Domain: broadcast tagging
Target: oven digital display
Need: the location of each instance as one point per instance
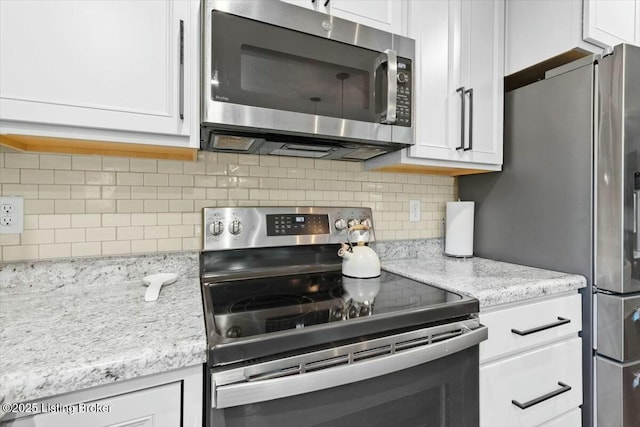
(297, 224)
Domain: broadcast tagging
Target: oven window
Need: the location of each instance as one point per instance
(441, 393)
(277, 68)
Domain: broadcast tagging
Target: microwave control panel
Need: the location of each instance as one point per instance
(403, 99)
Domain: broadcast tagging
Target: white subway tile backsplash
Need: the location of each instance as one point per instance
(36, 176)
(9, 176)
(91, 205)
(100, 206)
(143, 165)
(116, 164)
(116, 248)
(89, 163)
(68, 177)
(69, 206)
(101, 234)
(57, 250)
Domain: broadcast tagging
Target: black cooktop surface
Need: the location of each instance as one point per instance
(273, 314)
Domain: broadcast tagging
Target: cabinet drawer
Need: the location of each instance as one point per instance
(157, 406)
(542, 375)
(520, 328)
(570, 419)
(617, 393)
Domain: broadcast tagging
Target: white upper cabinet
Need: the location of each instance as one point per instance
(611, 22)
(459, 88)
(538, 30)
(386, 15)
(103, 65)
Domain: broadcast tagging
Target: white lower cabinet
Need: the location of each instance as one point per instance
(531, 365)
(153, 407)
(169, 399)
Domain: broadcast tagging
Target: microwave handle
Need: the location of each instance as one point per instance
(391, 58)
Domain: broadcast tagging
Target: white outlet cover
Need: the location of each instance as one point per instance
(16, 215)
(414, 210)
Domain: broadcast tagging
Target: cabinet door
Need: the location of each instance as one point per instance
(386, 15)
(96, 64)
(460, 58)
(482, 69)
(611, 22)
(438, 115)
(153, 407)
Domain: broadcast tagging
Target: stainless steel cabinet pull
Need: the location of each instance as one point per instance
(470, 92)
(181, 93)
(565, 388)
(561, 321)
(461, 90)
(391, 58)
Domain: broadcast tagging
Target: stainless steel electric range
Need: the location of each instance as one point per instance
(294, 343)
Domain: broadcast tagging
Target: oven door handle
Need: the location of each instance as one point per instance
(225, 396)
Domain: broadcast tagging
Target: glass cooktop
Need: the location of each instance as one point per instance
(260, 306)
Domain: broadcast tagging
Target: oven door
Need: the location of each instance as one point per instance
(420, 378)
(274, 67)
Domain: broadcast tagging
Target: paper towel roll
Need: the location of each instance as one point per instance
(459, 229)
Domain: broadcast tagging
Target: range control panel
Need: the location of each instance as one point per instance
(236, 228)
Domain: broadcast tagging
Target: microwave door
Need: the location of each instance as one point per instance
(320, 82)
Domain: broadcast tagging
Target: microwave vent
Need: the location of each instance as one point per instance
(364, 153)
(299, 153)
(237, 143)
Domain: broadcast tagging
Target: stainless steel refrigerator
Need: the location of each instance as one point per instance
(568, 199)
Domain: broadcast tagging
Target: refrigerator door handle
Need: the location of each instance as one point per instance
(636, 246)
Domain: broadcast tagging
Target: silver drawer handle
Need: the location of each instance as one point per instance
(561, 321)
(564, 388)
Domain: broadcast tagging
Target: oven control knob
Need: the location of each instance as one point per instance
(402, 78)
(340, 224)
(235, 227)
(366, 221)
(353, 222)
(216, 228)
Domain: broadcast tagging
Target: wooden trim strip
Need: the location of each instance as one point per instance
(431, 170)
(44, 144)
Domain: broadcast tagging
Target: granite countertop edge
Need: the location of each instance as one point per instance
(523, 284)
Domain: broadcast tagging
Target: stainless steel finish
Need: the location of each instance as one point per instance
(618, 329)
(216, 228)
(391, 58)
(618, 161)
(330, 368)
(617, 393)
(256, 273)
(463, 113)
(552, 213)
(573, 65)
(636, 220)
(230, 117)
(235, 227)
(253, 227)
(181, 73)
(470, 92)
(575, 219)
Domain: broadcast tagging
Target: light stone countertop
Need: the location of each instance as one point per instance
(491, 282)
(69, 325)
(82, 329)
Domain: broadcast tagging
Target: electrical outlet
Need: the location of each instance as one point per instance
(11, 214)
(414, 210)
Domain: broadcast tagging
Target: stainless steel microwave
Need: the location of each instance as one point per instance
(280, 79)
